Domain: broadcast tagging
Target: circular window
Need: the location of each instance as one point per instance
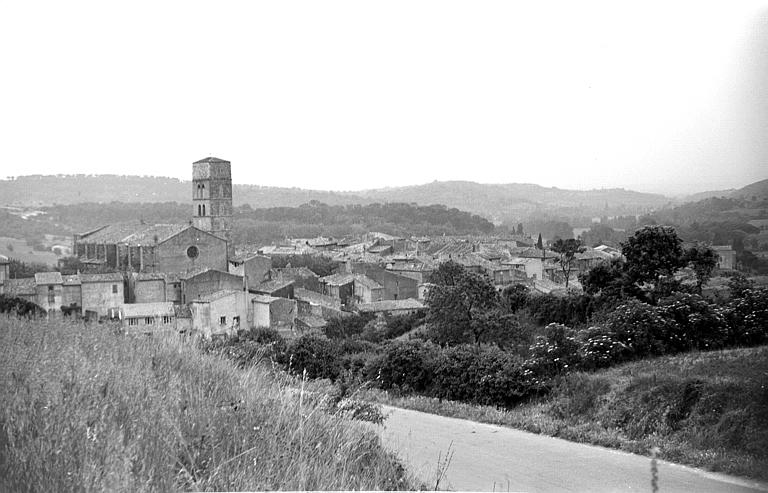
(193, 252)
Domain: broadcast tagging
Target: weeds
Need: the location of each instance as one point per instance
(82, 408)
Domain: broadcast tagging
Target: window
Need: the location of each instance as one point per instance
(223, 321)
(114, 289)
(192, 252)
(236, 320)
(51, 295)
(133, 321)
(166, 319)
(199, 210)
(203, 209)
(149, 321)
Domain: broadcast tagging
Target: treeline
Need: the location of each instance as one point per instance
(316, 219)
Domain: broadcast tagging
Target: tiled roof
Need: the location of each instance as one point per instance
(48, 278)
(211, 160)
(338, 279)
(263, 298)
(294, 273)
(366, 281)
(302, 294)
(18, 287)
(149, 276)
(388, 305)
(271, 286)
(71, 280)
(312, 321)
(132, 310)
(108, 277)
(133, 233)
(217, 295)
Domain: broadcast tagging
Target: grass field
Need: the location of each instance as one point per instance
(18, 249)
(84, 408)
(703, 409)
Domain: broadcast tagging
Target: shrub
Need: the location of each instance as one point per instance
(699, 324)
(747, 317)
(315, 354)
(553, 353)
(404, 365)
(642, 328)
(600, 348)
(347, 327)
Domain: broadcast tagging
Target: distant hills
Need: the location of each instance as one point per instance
(496, 202)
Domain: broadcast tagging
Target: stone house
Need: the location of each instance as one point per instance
(395, 286)
(24, 288)
(272, 312)
(340, 286)
(206, 282)
(301, 277)
(72, 293)
(151, 318)
(222, 313)
(102, 294)
(49, 290)
(392, 307)
(278, 288)
(726, 256)
(5, 267)
(256, 268)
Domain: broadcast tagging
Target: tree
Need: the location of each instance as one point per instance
(703, 261)
(459, 305)
(520, 228)
(653, 252)
(567, 249)
(539, 243)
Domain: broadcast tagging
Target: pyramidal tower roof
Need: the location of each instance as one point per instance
(211, 160)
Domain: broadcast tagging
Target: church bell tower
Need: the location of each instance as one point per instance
(212, 198)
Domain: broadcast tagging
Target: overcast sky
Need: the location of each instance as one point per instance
(656, 96)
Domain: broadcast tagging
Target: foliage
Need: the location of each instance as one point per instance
(316, 355)
(651, 252)
(83, 408)
(316, 218)
(404, 365)
(462, 306)
(555, 352)
(699, 324)
(703, 261)
(348, 326)
(567, 250)
(747, 317)
(485, 375)
(19, 306)
(609, 279)
(515, 297)
(600, 234)
(601, 348)
(642, 328)
(19, 270)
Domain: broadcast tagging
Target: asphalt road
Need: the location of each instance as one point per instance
(493, 458)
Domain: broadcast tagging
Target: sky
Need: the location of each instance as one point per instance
(668, 97)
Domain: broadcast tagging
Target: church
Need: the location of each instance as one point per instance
(203, 243)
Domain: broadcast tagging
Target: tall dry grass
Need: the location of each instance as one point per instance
(84, 408)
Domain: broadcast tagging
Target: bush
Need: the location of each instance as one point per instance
(600, 348)
(642, 328)
(699, 324)
(315, 354)
(404, 365)
(553, 353)
(486, 376)
(346, 327)
(747, 317)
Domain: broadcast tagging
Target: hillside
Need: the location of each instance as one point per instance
(85, 408)
(514, 199)
(496, 202)
(707, 409)
(39, 190)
